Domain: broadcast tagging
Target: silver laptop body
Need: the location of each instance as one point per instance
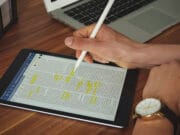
(140, 25)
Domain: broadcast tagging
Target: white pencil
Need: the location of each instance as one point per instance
(95, 30)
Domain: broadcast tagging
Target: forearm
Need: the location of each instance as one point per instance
(157, 54)
(153, 127)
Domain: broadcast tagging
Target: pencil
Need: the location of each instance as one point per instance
(95, 30)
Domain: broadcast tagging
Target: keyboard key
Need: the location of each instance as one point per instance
(78, 16)
(84, 19)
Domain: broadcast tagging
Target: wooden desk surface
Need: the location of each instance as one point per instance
(36, 30)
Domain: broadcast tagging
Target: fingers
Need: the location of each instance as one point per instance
(84, 32)
(100, 59)
(87, 58)
(86, 44)
(90, 57)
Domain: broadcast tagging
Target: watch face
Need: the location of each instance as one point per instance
(148, 106)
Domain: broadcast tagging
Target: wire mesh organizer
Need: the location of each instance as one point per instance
(8, 15)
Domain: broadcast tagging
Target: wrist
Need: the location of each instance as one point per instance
(140, 56)
(158, 126)
(147, 56)
(157, 54)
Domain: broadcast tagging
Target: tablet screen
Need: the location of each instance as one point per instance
(94, 90)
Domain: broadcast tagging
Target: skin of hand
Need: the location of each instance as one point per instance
(108, 46)
(164, 83)
(111, 46)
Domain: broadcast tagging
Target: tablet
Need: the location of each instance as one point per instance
(45, 82)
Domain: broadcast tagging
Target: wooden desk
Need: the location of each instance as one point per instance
(35, 29)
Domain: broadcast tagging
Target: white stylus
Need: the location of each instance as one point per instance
(95, 30)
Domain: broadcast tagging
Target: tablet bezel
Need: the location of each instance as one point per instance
(124, 107)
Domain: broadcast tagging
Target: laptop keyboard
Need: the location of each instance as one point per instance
(90, 11)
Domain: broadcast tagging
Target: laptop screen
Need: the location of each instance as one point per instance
(56, 4)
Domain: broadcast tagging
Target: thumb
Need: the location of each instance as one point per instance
(86, 44)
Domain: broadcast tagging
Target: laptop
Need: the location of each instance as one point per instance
(45, 82)
(139, 20)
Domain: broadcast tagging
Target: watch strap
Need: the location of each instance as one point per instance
(170, 115)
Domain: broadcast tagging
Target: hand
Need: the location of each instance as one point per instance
(109, 46)
(164, 83)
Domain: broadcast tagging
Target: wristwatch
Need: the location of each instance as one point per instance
(152, 108)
